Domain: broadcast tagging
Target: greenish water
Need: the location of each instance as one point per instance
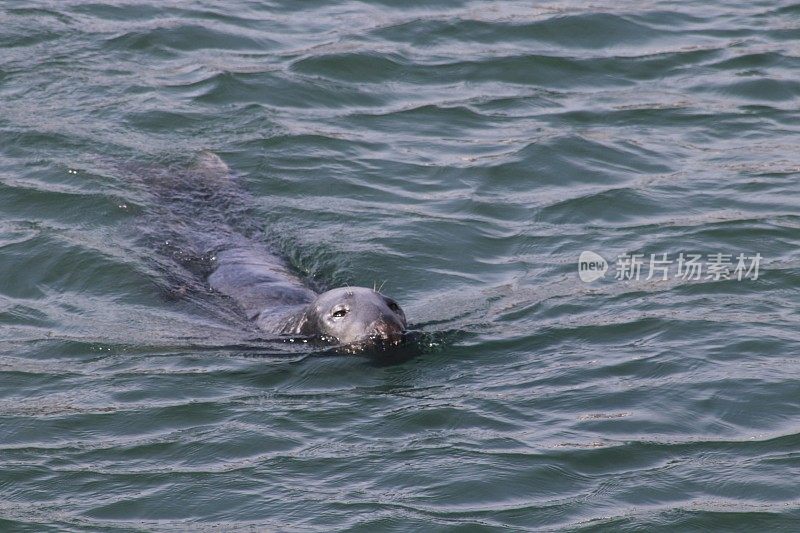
(464, 153)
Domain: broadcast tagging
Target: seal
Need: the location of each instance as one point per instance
(260, 282)
(278, 303)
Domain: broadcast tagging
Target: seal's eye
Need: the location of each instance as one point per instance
(339, 312)
(394, 307)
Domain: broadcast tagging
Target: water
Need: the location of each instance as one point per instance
(463, 154)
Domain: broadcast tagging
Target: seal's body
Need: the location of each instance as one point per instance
(265, 288)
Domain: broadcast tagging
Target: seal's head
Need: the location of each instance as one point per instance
(355, 316)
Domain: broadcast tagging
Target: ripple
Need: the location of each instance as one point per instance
(585, 30)
(177, 36)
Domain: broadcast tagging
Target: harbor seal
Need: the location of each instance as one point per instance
(272, 297)
(202, 203)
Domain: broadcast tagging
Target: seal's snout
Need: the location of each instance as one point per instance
(387, 329)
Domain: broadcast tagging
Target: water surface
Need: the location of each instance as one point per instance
(461, 153)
